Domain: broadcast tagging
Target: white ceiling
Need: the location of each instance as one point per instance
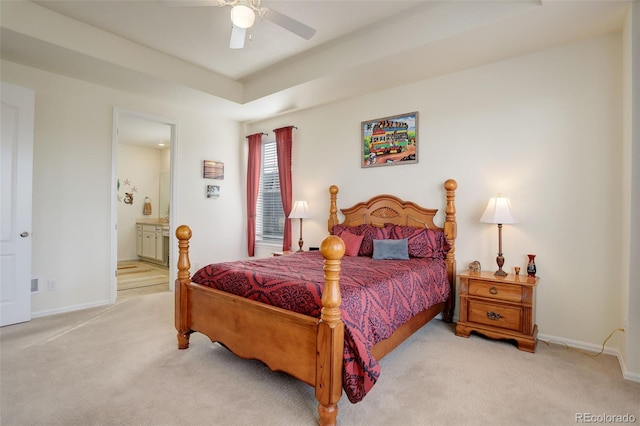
(141, 131)
(200, 34)
(182, 54)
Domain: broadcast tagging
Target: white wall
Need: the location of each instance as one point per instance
(544, 129)
(72, 184)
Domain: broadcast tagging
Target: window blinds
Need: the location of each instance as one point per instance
(270, 215)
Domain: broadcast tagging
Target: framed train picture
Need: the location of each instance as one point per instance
(390, 140)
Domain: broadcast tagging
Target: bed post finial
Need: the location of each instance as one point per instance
(330, 335)
(333, 208)
(183, 233)
(450, 228)
(450, 233)
(332, 249)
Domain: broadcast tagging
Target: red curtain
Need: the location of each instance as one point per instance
(284, 138)
(253, 184)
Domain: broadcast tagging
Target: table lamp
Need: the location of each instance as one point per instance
(300, 211)
(498, 211)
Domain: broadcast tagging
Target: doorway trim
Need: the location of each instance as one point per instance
(113, 264)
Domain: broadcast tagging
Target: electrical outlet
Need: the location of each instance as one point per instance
(52, 285)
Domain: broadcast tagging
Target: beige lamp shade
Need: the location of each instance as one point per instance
(300, 210)
(498, 211)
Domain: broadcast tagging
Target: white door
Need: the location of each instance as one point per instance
(15, 203)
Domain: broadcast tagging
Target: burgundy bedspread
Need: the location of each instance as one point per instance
(378, 296)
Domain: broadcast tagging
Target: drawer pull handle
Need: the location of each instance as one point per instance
(494, 316)
(493, 290)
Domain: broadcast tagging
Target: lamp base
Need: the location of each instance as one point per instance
(300, 242)
(500, 262)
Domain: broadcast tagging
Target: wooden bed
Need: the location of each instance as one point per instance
(308, 348)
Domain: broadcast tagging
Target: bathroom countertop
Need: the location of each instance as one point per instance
(153, 221)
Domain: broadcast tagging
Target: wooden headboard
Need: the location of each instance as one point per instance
(383, 209)
(388, 209)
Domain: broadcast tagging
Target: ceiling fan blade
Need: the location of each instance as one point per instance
(187, 3)
(288, 23)
(237, 37)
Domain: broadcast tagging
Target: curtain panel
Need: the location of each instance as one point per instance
(284, 137)
(253, 184)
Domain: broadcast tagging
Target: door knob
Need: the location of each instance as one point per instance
(25, 234)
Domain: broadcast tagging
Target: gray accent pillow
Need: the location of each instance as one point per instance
(391, 249)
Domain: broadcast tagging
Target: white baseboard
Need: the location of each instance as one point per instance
(48, 312)
(634, 377)
(628, 375)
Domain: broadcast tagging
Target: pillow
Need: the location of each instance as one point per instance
(391, 249)
(351, 242)
(339, 229)
(422, 242)
(368, 232)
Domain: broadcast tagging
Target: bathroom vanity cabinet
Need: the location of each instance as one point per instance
(152, 241)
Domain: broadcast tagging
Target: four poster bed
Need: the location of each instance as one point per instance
(299, 314)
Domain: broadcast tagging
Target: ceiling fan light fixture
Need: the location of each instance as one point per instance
(242, 16)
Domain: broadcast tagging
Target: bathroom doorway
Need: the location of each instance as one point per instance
(143, 156)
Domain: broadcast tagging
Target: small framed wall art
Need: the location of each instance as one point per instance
(389, 140)
(213, 191)
(213, 170)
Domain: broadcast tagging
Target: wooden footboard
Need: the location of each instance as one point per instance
(307, 348)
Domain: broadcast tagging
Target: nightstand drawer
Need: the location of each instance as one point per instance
(495, 290)
(506, 317)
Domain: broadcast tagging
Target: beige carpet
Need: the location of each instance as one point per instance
(119, 365)
(136, 274)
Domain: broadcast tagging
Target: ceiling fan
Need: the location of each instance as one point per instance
(243, 15)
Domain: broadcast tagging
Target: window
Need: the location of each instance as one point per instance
(269, 212)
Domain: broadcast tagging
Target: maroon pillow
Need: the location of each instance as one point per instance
(339, 229)
(368, 232)
(423, 242)
(352, 243)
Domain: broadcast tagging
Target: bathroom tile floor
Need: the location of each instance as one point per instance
(136, 278)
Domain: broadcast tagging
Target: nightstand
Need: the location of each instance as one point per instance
(499, 307)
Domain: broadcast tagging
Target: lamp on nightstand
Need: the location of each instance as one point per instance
(300, 211)
(498, 211)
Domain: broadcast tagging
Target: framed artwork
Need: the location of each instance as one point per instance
(213, 170)
(213, 191)
(389, 140)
